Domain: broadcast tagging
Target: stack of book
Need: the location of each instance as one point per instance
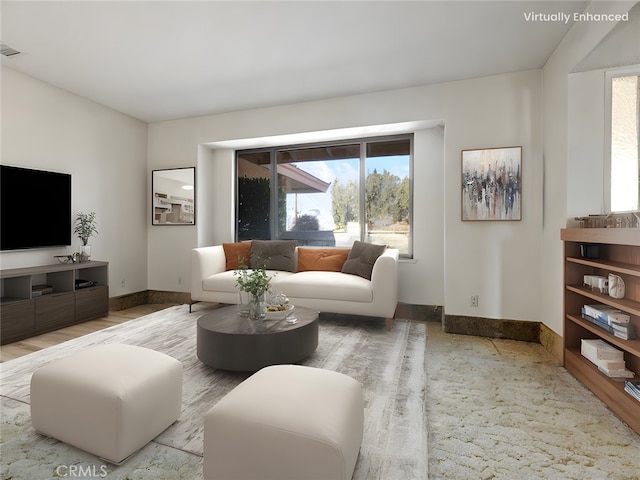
(633, 389)
(607, 358)
(39, 290)
(609, 319)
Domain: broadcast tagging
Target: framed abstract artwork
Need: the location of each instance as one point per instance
(173, 198)
(492, 184)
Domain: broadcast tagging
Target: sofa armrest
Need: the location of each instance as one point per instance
(205, 261)
(384, 281)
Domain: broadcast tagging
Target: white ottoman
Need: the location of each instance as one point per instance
(286, 422)
(108, 400)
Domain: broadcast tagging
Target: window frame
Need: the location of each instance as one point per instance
(362, 142)
(610, 75)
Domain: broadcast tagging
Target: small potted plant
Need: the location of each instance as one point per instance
(255, 283)
(85, 227)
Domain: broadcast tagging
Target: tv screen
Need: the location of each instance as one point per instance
(35, 208)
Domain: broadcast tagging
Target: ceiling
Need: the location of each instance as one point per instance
(162, 60)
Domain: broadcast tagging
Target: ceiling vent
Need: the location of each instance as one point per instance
(7, 51)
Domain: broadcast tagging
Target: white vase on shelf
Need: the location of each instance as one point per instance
(616, 286)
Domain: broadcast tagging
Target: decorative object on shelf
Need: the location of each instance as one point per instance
(589, 250)
(596, 282)
(255, 283)
(84, 229)
(173, 196)
(492, 184)
(610, 220)
(63, 258)
(616, 286)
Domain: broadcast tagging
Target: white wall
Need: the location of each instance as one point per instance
(44, 127)
(462, 259)
(586, 114)
(564, 176)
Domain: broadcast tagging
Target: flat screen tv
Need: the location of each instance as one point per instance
(35, 208)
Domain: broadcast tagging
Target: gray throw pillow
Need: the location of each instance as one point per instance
(273, 254)
(361, 258)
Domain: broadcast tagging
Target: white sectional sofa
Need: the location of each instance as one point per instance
(326, 291)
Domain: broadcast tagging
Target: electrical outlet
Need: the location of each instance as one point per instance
(474, 300)
(123, 283)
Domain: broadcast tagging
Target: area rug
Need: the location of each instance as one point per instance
(389, 365)
(501, 409)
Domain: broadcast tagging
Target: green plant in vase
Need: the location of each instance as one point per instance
(255, 283)
(85, 227)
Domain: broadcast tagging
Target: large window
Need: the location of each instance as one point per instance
(624, 137)
(328, 194)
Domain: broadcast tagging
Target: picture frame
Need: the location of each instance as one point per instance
(492, 184)
(173, 196)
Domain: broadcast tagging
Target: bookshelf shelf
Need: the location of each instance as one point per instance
(629, 306)
(616, 267)
(632, 346)
(619, 254)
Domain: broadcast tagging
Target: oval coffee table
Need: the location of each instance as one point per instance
(231, 342)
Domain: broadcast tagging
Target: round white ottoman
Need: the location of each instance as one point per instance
(286, 422)
(108, 400)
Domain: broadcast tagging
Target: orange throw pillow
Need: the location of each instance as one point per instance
(237, 254)
(321, 259)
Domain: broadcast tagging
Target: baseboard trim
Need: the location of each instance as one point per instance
(425, 313)
(552, 342)
(129, 300)
(145, 297)
(459, 324)
(492, 327)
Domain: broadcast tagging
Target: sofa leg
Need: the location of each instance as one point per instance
(389, 323)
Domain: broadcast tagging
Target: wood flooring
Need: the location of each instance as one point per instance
(33, 344)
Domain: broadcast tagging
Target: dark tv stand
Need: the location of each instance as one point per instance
(41, 299)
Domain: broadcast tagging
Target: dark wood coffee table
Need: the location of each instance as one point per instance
(230, 342)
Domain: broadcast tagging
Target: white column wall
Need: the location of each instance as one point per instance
(563, 177)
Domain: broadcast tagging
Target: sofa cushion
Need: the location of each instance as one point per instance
(322, 259)
(325, 285)
(361, 259)
(237, 254)
(220, 282)
(227, 281)
(273, 254)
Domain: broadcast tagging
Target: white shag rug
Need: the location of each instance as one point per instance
(502, 409)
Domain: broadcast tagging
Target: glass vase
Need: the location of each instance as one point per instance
(243, 303)
(257, 306)
(85, 253)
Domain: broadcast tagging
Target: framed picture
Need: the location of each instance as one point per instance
(492, 184)
(173, 193)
